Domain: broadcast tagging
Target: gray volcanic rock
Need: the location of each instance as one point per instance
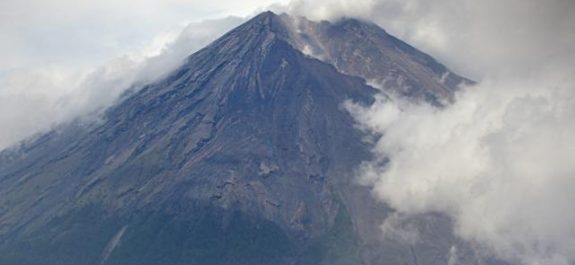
(363, 49)
(243, 155)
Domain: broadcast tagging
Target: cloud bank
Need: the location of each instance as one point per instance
(498, 161)
(476, 38)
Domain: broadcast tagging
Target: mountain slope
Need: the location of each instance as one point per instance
(365, 50)
(240, 129)
(244, 155)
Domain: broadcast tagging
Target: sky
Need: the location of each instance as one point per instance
(64, 59)
(66, 32)
(498, 161)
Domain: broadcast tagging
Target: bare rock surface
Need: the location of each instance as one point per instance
(243, 155)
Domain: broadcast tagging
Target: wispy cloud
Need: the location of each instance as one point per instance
(64, 59)
(36, 99)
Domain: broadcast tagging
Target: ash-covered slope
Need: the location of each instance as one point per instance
(243, 155)
(363, 49)
(249, 132)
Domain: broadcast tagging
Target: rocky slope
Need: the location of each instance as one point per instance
(363, 49)
(243, 155)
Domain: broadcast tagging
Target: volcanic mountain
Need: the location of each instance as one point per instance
(243, 155)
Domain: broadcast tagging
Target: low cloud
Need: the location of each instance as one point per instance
(35, 100)
(475, 38)
(498, 161)
(61, 63)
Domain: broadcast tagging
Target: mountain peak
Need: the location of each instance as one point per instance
(363, 49)
(246, 142)
(250, 37)
(266, 19)
(268, 14)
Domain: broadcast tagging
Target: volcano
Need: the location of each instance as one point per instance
(243, 155)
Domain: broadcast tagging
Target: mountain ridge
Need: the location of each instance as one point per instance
(168, 146)
(363, 49)
(247, 140)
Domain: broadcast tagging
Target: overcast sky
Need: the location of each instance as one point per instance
(61, 59)
(71, 33)
(502, 164)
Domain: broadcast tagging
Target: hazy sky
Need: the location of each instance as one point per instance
(61, 59)
(499, 161)
(66, 32)
(49, 47)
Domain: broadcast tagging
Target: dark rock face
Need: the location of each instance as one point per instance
(244, 155)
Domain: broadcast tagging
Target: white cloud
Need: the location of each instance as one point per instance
(476, 38)
(65, 32)
(35, 99)
(499, 161)
(65, 59)
(328, 10)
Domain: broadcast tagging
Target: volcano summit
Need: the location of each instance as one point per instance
(243, 155)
